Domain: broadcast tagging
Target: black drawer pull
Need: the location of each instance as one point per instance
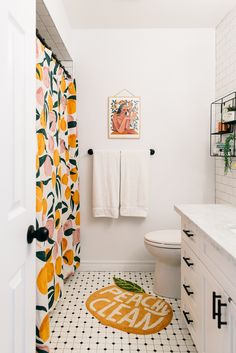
(186, 259)
(186, 289)
(188, 233)
(186, 313)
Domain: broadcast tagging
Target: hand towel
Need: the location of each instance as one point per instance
(134, 183)
(106, 183)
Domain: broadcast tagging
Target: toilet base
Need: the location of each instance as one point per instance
(167, 280)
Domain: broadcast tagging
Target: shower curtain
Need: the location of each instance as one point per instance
(57, 186)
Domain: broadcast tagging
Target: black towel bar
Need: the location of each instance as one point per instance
(152, 151)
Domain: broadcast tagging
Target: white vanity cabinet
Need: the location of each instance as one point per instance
(208, 289)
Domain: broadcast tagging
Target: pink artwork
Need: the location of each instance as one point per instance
(124, 117)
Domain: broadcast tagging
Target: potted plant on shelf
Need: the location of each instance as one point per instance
(228, 148)
(229, 114)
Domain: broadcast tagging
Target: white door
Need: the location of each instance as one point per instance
(17, 175)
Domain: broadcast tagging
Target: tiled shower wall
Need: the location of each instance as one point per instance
(226, 83)
(49, 32)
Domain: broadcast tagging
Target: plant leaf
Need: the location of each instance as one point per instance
(68, 232)
(227, 153)
(49, 254)
(72, 97)
(39, 307)
(127, 285)
(72, 124)
(71, 216)
(51, 301)
(64, 210)
(41, 255)
(42, 160)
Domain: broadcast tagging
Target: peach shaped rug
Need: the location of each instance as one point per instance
(125, 306)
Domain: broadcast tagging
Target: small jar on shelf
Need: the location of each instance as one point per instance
(223, 127)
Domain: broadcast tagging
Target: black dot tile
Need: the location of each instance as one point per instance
(73, 326)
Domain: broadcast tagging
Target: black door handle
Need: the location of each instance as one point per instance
(217, 313)
(186, 313)
(188, 233)
(214, 297)
(41, 234)
(186, 259)
(186, 289)
(219, 322)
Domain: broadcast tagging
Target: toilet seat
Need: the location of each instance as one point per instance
(170, 239)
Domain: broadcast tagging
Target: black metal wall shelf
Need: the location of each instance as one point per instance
(230, 122)
(222, 124)
(221, 133)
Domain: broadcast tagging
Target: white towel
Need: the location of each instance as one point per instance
(134, 183)
(106, 183)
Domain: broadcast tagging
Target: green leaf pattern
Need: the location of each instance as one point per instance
(57, 187)
(127, 285)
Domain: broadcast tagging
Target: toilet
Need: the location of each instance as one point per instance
(165, 246)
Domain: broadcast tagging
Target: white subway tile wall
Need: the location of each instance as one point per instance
(226, 83)
(49, 32)
(68, 64)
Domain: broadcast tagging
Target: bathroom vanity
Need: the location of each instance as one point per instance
(208, 275)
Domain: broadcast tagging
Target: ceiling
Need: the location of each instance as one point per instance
(146, 13)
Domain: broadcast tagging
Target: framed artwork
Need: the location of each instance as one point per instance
(124, 117)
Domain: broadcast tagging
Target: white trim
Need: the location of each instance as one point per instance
(117, 266)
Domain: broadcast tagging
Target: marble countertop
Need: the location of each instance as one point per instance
(218, 222)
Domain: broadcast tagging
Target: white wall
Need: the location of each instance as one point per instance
(226, 83)
(173, 71)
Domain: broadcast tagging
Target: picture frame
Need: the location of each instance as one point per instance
(124, 117)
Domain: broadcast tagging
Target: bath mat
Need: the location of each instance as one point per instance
(125, 306)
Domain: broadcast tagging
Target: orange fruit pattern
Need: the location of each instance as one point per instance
(57, 186)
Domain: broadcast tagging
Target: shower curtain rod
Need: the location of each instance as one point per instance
(42, 40)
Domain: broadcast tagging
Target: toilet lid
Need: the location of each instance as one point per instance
(165, 237)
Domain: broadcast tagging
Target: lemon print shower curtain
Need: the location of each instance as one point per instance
(57, 186)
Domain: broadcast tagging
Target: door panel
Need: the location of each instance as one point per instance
(232, 314)
(17, 175)
(17, 289)
(216, 339)
(17, 111)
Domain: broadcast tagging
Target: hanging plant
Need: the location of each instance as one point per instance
(227, 153)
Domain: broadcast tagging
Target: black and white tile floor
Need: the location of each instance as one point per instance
(75, 330)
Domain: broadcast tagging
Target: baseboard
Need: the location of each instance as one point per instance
(116, 266)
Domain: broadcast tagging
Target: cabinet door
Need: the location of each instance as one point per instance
(232, 325)
(216, 317)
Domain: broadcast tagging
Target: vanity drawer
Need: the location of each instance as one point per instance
(192, 291)
(194, 325)
(190, 234)
(190, 264)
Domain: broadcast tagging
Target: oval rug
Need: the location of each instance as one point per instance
(125, 306)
